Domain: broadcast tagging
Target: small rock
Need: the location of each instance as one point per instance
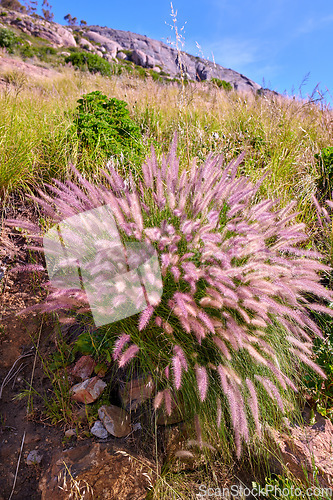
(99, 430)
(150, 62)
(88, 390)
(31, 439)
(70, 433)
(139, 58)
(85, 44)
(109, 58)
(34, 458)
(83, 368)
(121, 55)
(115, 420)
(136, 392)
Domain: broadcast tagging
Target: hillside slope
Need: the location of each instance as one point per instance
(155, 54)
(116, 46)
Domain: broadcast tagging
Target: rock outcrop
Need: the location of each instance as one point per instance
(305, 450)
(54, 33)
(111, 46)
(149, 53)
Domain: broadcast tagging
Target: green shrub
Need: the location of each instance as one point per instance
(46, 50)
(75, 50)
(105, 124)
(127, 66)
(327, 157)
(141, 71)
(221, 84)
(91, 62)
(155, 76)
(43, 52)
(127, 52)
(319, 392)
(27, 51)
(8, 39)
(325, 160)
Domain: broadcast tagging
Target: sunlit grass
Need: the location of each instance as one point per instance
(279, 135)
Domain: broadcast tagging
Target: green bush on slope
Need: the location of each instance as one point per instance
(325, 159)
(8, 39)
(105, 124)
(92, 62)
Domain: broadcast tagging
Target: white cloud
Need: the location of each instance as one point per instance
(230, 52)
(313, 23)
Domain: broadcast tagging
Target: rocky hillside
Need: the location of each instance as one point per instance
(155, 54)
(54, 33)
(116, 45)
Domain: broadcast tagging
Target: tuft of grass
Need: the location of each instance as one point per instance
(230, 333)
(291, 488)
(221, 84)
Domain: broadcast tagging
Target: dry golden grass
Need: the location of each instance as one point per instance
(279, 135)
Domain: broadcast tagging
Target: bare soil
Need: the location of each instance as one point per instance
(10, 64)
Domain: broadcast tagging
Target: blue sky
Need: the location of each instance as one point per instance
(278, 41)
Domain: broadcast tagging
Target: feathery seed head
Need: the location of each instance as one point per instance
(231, 267)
